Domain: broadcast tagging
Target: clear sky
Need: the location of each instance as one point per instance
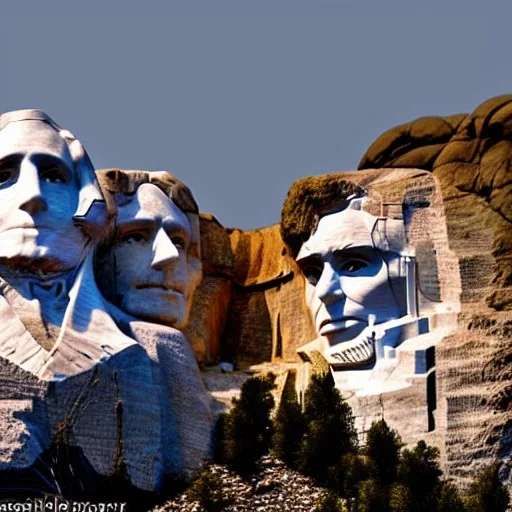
(240, 98)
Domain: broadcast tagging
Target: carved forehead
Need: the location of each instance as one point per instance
(33, 136)
(340, 230)
(149, 203)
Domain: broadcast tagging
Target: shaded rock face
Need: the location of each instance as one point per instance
(409, 280)
(122, 396)
(470, 155)
(250, 309)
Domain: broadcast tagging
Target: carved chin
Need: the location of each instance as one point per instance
(156, 305)
(41, 250)
(350, 353)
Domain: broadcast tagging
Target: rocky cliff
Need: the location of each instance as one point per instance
(471, 156)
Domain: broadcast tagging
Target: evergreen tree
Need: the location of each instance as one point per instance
(371, 497)
(206, 489)
(400, 498)
(330, 503)
(289, 430)
(248, 427)
(450, 499)
(330, 431)
(487, 493)
(383, 451)
(419, 473)
(346, 476)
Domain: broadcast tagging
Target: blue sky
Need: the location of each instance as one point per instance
(241, 98)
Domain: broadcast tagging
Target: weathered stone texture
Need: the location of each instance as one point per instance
(268, 319)
(471, 156)
(211, 301)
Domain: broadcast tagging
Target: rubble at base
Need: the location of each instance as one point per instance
(273, 487)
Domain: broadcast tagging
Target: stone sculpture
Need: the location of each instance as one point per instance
(155, 254)
(395, 280)
(52, 213)
(375, 255)
(66, 365)
(348, 284)
(60, 349)
(150, 267)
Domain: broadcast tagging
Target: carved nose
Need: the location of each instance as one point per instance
(29, 189)
(164, 251)
(329, 288)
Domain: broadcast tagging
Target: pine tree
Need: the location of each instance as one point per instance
(399, 498)
(383, 451)
(487, 493)
(420, 475)
(450, 499)
(206, 489)
(371, 497)
(330, 431)
(289, 428)
(248, 427)
(330, 503)
(346, 477)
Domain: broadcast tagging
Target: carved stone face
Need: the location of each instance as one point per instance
(346, 279)
(38, 198)
(152, 272)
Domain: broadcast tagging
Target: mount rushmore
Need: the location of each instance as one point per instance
(130, 318)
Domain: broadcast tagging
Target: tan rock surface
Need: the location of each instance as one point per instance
(471, 156)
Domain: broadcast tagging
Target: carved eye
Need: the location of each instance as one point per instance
(131, 238)
(178, 241)
(6, 175)
(353, 266)
(312, 271)
(53, 175)
(8, 170)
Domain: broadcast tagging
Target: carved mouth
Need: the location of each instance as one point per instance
(354, 352)
(161, 286)
(330, 325)
(31, 226)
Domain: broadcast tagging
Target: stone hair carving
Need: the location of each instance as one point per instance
(151, 264)
(374, 251)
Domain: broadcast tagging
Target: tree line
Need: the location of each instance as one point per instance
(319, 439)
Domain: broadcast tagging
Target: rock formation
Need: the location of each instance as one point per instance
(150, 268)
(61, 351)
(124, 302)
(79, 372)
(470, 156)
(383, 288)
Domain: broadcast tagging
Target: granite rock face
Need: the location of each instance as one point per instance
(464, 407)
(471, 419)
(409, 281)
(470, 155)
(131, 388)
(97, 378)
